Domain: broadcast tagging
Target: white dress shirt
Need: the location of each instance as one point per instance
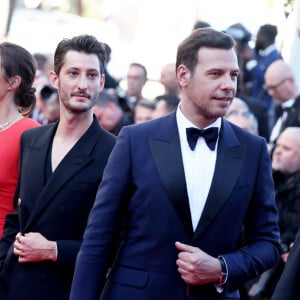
(199, 166)
(280, 121)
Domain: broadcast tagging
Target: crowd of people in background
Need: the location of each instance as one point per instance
(34, 95)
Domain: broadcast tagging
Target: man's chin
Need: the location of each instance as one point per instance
(79, 109)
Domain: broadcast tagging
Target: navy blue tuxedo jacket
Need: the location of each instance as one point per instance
(58, 210)
(144, 189)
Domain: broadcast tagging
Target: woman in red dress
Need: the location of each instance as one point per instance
(17, 100)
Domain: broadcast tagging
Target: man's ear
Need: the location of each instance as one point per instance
(183, 75)
(102, 81)
(53, 79)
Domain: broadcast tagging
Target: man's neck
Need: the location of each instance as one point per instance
(73, 126)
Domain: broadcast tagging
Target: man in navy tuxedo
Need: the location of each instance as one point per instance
(191, 194)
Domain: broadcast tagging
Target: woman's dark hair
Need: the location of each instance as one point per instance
(17, 61)
(187, 52)
(82, 43)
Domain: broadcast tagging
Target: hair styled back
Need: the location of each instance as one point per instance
(17, 61)
(82, 43)
(187, 52)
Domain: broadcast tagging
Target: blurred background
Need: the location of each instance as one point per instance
(141, 30)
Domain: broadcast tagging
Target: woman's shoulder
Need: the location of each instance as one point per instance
(28, 123)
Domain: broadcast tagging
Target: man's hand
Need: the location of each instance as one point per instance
(33, 247)
(284, 257)
(195, 266)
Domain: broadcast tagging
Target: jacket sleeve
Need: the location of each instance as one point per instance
(261, 248)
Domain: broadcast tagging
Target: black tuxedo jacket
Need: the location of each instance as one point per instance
(58, 209)
(293, 116)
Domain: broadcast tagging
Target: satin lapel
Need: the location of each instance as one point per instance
(167, 157)
(78, 157)
(293, 117)
(228, 166)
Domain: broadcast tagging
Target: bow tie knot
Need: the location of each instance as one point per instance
(210, 135)
(279, 110)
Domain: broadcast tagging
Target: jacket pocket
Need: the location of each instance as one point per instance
(129, 276)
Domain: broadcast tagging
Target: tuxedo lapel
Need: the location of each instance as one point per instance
(167, 157)
(228, 166)
(293, 117)
(78, 157)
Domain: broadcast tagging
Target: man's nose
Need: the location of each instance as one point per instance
(82, 84)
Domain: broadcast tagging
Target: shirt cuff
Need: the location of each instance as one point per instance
(55, 252)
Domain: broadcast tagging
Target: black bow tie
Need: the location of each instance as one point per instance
(279, 110)
(210, 135)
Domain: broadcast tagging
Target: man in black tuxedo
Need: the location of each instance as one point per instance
(281, 85)
(61, 166)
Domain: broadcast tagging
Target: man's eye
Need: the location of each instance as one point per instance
(215, 73)
(93, 75)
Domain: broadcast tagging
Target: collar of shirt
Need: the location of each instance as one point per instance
(268, 50)
(276, 130)
(288, 103)
(183, 123)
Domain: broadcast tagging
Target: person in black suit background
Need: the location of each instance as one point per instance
(286, 175)
(282, 86)
(61, 166)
